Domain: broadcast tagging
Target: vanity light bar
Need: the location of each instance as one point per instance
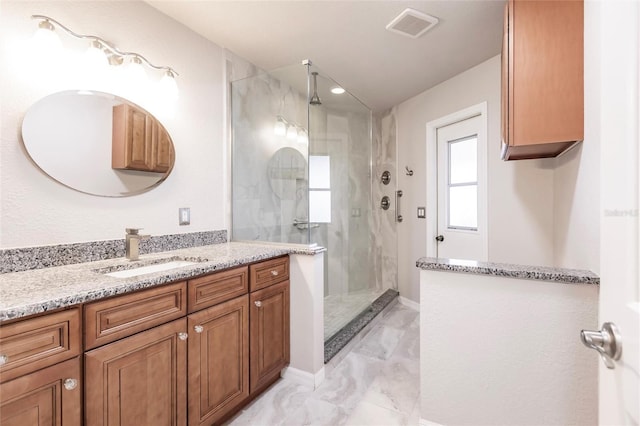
(114, 55)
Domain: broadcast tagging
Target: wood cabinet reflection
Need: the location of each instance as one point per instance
(139, 141)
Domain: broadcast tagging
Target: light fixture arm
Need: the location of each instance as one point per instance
(106, 45)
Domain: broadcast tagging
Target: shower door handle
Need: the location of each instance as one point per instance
(398, 215)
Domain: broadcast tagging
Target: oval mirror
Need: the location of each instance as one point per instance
(287, 170)
(97, 143)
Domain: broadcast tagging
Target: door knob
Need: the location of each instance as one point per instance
(607, 342)
(440, 238)
(70, 384)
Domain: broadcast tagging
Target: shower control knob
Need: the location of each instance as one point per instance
(440, 238)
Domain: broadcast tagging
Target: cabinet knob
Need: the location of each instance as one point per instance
(258, 303)
(70, 384)
(274, 273)
(198, 328)
(3, 359)
(183, 336)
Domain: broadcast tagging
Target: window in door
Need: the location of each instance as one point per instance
(462, 185)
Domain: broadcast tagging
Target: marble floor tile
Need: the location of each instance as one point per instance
(317, 413)
(380, 342)
(367, 414)
(273, 406)
(409, 345)
(377, 383)
(349, 381)
(397, 387)
(401, 317)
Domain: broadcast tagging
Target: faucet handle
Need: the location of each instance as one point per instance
(133, 231)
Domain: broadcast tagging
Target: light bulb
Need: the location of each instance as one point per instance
(168, 86)
(302, 136)
(292, 133)
(135, 70)
(280, 129)
(95, 57)
(46, 40)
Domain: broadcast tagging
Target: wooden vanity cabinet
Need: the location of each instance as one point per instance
(139, 380)
(40, 375)
(269, 321)
(218, 360)
(51, 396)
(191, 352)
(139, 141)
(542, 78)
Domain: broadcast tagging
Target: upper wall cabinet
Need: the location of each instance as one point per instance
(542, 78)
(140, 142)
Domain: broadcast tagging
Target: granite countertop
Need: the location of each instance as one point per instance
(40, 290)
(539, 273)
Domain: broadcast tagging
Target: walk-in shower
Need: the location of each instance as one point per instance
(301, 173)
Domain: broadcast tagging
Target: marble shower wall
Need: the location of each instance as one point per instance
(265, 201)
(268, 195)
(384, 233)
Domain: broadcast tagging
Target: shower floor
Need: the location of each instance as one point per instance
(339, 309)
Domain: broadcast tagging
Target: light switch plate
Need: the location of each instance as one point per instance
(422, 212)
(184, 216)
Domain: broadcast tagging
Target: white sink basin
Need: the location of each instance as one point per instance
(158, 267)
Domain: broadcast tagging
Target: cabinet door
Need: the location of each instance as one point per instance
(162, 149)
(139, 380)
(269, 331)
(52, 396)
(132, 139)
(218, 360)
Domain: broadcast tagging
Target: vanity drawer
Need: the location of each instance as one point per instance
(118, 317)
(35, 343)
(269, 272)
(217, 288)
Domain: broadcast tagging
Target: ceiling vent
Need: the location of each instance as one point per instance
(411, 23)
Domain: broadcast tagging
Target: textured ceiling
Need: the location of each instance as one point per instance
(347, 40)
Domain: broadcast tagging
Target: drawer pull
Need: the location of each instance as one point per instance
(70, 384)
(198, 328)
(258, 303)
(183, 336)
(274, 273)
(3, 359)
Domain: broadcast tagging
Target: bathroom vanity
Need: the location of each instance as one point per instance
(178, 347)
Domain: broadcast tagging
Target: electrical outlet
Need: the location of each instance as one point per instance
(422, 212)
(184, 216)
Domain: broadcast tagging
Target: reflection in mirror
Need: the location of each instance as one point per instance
(287, 172)
(97, 143)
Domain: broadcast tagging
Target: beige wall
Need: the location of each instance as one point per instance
(34, 209)
(520, 193)
(577, 173)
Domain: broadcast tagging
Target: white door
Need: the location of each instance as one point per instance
(616, 24)
(461, 231)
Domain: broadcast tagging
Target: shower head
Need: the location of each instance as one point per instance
(315, 99)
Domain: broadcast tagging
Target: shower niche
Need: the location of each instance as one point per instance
(301, 173)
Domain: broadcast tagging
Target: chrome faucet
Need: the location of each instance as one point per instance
(132, 243)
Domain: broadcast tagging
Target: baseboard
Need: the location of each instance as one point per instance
(409, 303)
(303, 377)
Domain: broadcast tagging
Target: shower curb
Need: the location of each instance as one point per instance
(339, 340)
